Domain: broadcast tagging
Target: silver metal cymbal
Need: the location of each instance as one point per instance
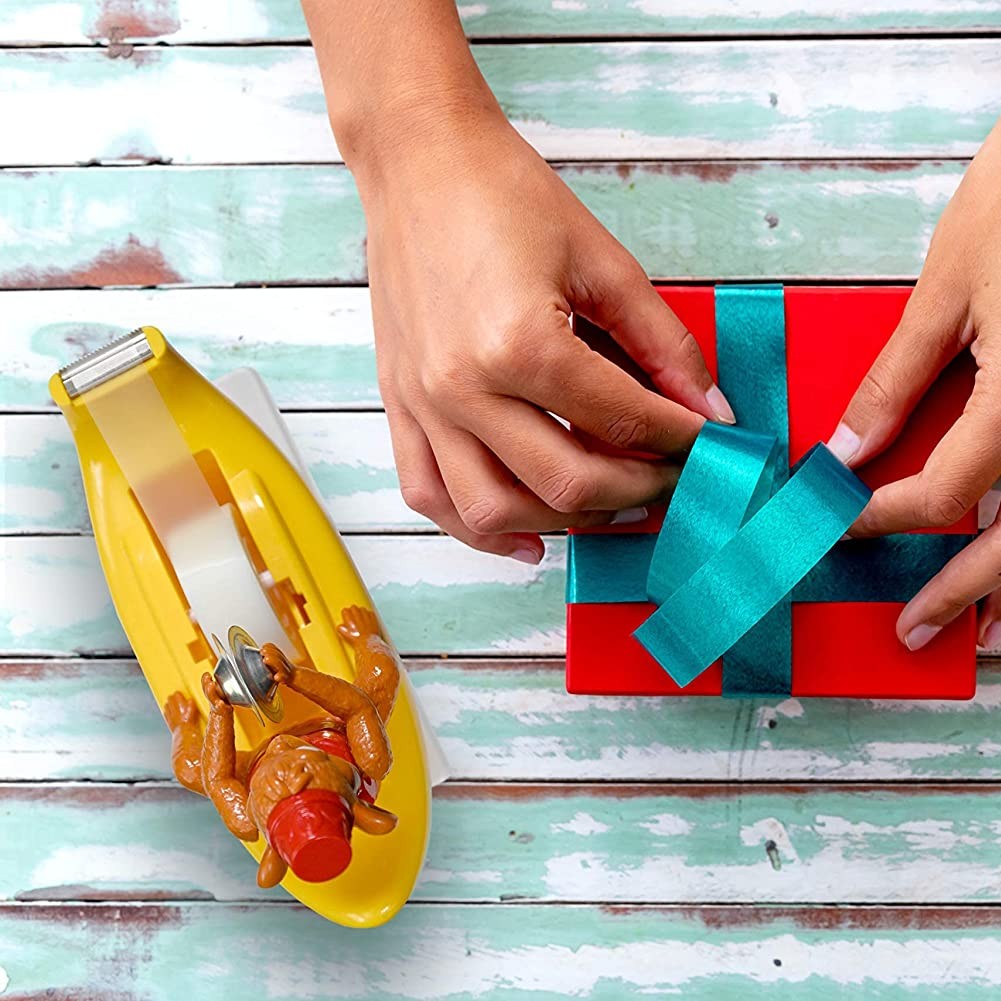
(243, 677)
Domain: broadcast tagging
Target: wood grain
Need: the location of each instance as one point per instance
(572, 101)
(84, 22)
(436, 595)
(259, 225)
(545, 843)
(512, 720)
(349, 455)
(313, 346)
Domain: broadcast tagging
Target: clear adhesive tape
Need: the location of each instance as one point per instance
(199, 536)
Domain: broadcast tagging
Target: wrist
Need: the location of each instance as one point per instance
(414, 132)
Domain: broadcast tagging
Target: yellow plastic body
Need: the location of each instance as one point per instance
(290, 535)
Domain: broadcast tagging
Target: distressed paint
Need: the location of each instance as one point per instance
(532, 953)
(225, 225)
(313, 346)
(511, 720)
(672, 100)
(80, 22)
(436, 595)
(349, 456)
(620, 844)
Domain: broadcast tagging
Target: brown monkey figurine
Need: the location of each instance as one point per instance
(304, 788)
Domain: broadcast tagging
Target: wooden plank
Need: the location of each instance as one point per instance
(545, 843)
(528, 953)
(349, 456)
(161, 952)
(647, 100)
(313, 346)
(224, 225)
(83, 22)
(513, 721)
(437, 596)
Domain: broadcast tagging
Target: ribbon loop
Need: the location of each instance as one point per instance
(735, 585)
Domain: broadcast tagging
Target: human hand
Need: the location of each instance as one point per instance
(956, 305)
(478, 253)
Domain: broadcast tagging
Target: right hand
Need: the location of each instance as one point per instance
(478, 254)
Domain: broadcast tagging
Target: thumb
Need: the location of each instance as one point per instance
(930, 334)
(617, 296)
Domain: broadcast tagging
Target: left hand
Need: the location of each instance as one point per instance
(956, 305)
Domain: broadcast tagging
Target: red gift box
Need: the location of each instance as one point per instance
(839, 649)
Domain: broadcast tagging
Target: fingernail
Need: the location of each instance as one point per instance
(921, 636)
(719, 406)
(844, 443)
(526, 554)
(629, 516)
(992, 636)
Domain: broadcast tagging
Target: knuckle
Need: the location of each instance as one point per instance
(567, 492)
(944, 506)
(444, 378)
(878, 390)
(421, 499)
(485, 515)
(626, 430)
(689, 352)
(495, 350)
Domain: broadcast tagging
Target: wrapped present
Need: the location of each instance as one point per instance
(742, 587)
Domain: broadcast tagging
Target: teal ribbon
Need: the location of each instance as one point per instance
(731, 593)
(744, 536)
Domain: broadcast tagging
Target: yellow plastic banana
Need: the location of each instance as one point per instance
(139, 397)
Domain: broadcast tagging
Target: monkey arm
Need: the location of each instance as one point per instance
(219, 771)
(377, 665)
(377, 673)
(182, 717)
(365, 732)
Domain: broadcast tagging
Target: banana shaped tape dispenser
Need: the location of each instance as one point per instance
(221, 561)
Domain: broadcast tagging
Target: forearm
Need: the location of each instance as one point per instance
(394, 75)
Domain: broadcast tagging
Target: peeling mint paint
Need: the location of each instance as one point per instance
(97, 720)
(219, 225)
(466, 954)
(68, 610)
(650, 846)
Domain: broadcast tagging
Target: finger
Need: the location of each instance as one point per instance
(989, 623)
(559, 470)
(487, 496)
(598, 397)
(931, 332)
(961, 469)
(966, 578)
(615, 293)
(425, 492)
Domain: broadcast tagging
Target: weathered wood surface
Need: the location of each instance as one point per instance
(617, 101)
(524, 953)
(436, 595)
(349, 455)
(544, 843)
(743, 801)
(86, 22)
(293, 224)
(511, 720)
(313, 346)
